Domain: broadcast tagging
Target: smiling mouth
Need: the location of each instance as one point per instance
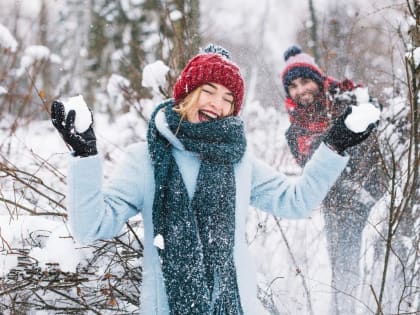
(305, 98)
(207, 116)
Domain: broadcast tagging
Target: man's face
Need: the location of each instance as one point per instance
(304, 91)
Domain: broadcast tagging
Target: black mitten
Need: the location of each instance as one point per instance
(83, 144)
(339, 137)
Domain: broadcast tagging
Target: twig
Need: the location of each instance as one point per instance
(37, 91)
(305, 286)
(32, 211)
(379, 311)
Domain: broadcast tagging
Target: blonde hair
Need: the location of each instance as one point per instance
(190, 101)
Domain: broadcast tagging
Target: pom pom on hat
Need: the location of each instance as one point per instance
(292, 51)
(215, 49)
(213, 65)
(300, 65)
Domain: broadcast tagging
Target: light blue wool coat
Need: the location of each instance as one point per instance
(97, 212)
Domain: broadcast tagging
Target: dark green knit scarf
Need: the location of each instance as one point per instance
(197, 258)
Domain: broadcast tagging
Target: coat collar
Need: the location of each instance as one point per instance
(163, 127)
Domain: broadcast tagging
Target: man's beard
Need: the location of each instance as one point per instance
(308, 99)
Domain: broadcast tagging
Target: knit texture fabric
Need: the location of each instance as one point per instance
(300, 65)
(308, 123)
(210, 67)
(197, 257)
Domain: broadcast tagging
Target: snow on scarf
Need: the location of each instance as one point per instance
(308, 123)
(197, 258)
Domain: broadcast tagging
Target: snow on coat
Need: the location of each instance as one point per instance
(100, 213)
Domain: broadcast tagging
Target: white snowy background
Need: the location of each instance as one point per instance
(290, 256)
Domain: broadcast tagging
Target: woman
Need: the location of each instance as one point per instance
(193, 182)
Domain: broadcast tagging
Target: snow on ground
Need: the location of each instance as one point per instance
(53, 238)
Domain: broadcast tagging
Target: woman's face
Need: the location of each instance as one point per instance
(304, 91)
(215, 102)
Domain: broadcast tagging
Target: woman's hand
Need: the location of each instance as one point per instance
(83, 144)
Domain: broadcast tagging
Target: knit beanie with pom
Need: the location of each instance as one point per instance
(300, 65)
(213, 65)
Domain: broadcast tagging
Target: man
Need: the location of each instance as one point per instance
(313, 102)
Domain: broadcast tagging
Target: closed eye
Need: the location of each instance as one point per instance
(229, 100)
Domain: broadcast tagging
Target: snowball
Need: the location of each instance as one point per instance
(83, 114)
(361, 116)
(154, 75)
(159, 242)
(362, 95)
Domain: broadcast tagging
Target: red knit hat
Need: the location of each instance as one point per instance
(212, 66)
(300, 65)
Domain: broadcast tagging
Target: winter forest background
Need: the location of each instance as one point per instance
(124, 56)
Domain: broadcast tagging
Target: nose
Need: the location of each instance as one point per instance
(217, 103)
(300, 89)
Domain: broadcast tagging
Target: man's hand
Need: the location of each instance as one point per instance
(339, 137)
(83, 144)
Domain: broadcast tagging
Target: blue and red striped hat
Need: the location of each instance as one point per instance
(300, 65)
